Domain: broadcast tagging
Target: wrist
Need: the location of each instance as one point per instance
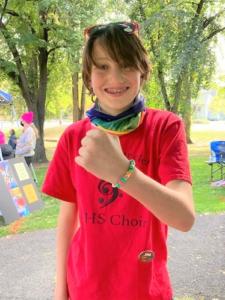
(126, 175)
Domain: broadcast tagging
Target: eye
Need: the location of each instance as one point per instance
(103, 67)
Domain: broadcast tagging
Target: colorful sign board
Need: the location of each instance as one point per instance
(19, 195)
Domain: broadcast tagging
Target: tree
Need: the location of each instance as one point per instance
(178, 36)
(34, 35)
(25, 28)
(79, 16)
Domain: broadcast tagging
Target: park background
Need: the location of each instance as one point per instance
(40, 66)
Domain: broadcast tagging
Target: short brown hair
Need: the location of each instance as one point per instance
(124, 48)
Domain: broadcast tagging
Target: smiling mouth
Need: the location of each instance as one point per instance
(116, 91)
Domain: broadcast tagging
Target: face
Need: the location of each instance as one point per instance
(114, 86)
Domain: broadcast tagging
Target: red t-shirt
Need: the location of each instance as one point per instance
(103, 259)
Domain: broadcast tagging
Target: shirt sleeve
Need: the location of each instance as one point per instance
(27, 143)
(174, 162)
(58, 180)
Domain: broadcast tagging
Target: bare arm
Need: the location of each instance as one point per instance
(172, 204)
(67, 225)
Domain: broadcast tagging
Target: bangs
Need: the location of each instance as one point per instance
(118, 45)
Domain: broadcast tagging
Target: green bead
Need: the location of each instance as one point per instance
(126, 176)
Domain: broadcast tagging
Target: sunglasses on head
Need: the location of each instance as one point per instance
(128, 27)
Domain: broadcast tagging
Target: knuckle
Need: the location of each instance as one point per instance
(83, 141)
(81, 150)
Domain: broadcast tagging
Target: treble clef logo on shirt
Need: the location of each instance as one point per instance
(109, 193)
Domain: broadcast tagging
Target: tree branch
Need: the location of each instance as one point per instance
(212, 34)
(199, 8)
(196, 16)
(3, 10)
(211, 19)
(15, 14)
(56, 47)
(12, 13)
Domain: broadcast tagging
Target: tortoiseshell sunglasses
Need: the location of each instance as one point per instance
(128, 27)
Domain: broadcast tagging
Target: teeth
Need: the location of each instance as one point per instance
(116, 91)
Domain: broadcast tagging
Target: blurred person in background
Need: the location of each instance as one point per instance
(12, 139)
(27, 141)
(6, 151)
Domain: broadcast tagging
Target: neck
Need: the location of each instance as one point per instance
(112, 113)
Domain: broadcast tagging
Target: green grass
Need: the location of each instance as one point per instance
(208, 199)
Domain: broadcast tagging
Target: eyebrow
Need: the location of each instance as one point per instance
(101, 58)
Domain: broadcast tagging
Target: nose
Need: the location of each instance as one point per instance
(117, 75)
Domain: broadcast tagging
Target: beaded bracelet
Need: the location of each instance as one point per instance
(126, 176)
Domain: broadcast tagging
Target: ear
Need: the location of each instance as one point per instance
(90, 85)
(91, 88)
(142, 80)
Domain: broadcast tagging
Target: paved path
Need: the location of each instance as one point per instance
(197, 259)
(196, 262)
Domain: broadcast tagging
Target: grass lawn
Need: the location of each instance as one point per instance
(208, 199)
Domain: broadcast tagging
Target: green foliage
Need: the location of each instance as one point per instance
(7, 112)
(179, 42)
(152, 94)
(8, 66)
(218, 102)
(73, 18)
(59, 91)
(53, 25)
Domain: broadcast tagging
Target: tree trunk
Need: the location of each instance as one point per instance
(161, 78)
(186, 108)
(40, 154)
(177, 95)
(75, 93)
(163, 86)
(187, 119)
(83, 101)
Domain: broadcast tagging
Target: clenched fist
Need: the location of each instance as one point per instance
(101, 154)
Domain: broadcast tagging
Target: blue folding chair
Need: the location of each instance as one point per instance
(217, 160)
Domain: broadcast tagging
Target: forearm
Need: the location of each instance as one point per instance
(22, 149)
(67, 224)
(172, 204)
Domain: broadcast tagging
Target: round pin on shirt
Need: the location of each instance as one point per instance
(146, 256)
